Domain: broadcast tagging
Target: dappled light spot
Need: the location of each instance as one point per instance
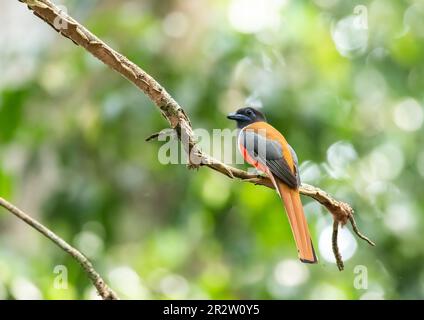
(215, 190)
(254, 274)
(347, 244)
(400, 217)
(18, 59)
(350, 38)
(413, 19)
(291, 273)
(56, 77)
(256, 76)
(251, 16)
(339, 157)
(171, 248)
(89, 243)
(175, 24)
(216, 276)
(113, 106)
(371, 88)
(23, 289)
(408, 115)
(254, 101)
(174, 286)
(384, 163)
(372, 295)
(229, 99)
(327, 292)
(312, 209)
(310, 172)
(377, 188)
(91, 294)
(127, 282)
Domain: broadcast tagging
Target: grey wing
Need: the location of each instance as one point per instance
(296, 164)
(269, 153)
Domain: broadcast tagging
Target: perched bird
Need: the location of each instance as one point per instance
(265, 148)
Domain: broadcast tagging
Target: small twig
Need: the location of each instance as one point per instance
(358, 233)
(152, 136)
(102, 288)
(336, 251)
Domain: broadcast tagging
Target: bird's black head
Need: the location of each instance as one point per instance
(246, 116)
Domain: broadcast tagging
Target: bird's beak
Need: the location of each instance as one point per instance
(237, 117)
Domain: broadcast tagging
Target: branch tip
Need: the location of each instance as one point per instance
(358, 233)
(336, 251)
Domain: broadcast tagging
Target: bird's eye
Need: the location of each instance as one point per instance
(249, 112)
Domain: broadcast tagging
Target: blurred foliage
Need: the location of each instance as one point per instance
(341, 79)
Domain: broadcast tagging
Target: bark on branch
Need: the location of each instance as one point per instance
(172, 111)
(102, 288)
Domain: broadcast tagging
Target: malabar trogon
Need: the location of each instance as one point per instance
(265, 148)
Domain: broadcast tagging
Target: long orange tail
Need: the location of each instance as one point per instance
(298, 223)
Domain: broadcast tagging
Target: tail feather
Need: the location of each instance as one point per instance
(298, 223)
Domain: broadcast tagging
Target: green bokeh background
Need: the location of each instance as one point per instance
(344, 85)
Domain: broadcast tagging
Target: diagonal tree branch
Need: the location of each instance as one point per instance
(102, 288)
(173, 112)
